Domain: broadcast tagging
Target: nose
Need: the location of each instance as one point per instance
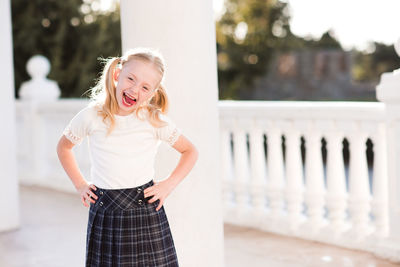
(133, 89)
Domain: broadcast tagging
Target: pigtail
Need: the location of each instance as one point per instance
(104, 92)
(160, 99)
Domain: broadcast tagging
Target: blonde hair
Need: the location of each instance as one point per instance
(103, 93)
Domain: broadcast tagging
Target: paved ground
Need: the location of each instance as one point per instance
(52, 238)
(260, 249)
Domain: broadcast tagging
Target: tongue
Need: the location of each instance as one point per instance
(128, 100)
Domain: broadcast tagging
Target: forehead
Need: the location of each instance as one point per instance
(143, 71)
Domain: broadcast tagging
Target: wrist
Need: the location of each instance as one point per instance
(173, 181)
(80, 185)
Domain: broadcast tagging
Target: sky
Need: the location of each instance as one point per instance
(355, 23)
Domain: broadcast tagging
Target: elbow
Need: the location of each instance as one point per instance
(196, 153)
(191, 152)
(62, 146)
(59, 148)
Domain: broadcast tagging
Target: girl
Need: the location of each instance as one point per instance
(125, 123)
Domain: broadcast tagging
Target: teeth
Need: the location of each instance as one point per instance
(123, 99)
(131, 98)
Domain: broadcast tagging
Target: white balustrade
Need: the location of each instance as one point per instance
(39, 127)
(321, 205)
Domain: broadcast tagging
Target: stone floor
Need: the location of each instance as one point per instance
(55, 238)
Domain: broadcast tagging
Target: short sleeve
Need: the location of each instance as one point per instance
(170, 132)
(79, 127)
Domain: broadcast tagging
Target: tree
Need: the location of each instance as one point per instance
(246, 34)
(71, 34)
(369, 66)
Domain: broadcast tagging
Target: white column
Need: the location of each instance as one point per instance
(184, 32)
(9, 199)
(388, 92)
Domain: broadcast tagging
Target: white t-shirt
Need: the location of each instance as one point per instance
(125, 158)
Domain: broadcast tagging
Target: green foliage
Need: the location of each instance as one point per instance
(370, 66)
(240, 57)
(70, 34)
(243, 57)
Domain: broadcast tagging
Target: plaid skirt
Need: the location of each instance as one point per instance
(125, 230)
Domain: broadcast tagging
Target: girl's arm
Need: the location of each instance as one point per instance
(67, 159)
(189, 156)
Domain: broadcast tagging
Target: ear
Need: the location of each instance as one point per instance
(116, 73)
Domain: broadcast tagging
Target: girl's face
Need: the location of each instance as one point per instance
(135, 84)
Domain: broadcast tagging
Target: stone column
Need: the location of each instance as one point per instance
(388, 92)
(184, 32)
(9, 200)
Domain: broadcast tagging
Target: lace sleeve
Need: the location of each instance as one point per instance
(71, 137)
(173, 136)
(169, 133)
(80, 125)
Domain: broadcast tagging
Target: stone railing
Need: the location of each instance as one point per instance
(324, 171)
(41, 118)
(39, 127)
(285, 170)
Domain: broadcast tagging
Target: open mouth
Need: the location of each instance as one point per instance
(128, 100)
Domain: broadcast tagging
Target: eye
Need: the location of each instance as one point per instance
(145, 88)
(130, 78)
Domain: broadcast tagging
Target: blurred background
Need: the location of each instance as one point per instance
(267, 50)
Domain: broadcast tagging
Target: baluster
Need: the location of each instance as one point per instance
(315, 191)
(226, 169)
(275, 172)
(359, 196)
(336, 199)
(258, 178)
(380, 183)
(241, 169)
(294, 187)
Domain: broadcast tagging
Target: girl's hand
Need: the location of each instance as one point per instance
(159, 190)
(85, 191)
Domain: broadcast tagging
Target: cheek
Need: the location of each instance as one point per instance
(118, 93)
